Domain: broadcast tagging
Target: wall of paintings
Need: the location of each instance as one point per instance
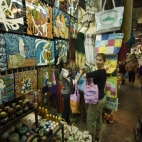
(34, 37)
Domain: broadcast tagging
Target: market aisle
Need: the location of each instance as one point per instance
(125, 118)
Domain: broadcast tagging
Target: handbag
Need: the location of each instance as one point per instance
(91, 92)
(109, 20)
(112, 104)
(108, 43)
(75, 100)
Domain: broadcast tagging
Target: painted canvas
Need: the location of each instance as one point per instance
(61, 49)
(72, 8)
(3, 61)
(50, 1)
(20, 50)
(6, 88)
(57, 4)
(61, 23)
(73, 27)
(11, 16)
(25, 82)
(46, 77)
(44, 52)
(39, 19)
(63, 5)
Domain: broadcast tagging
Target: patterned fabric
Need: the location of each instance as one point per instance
(73, 27)
(108, 43)
(11, 17)
(39, 20)
(20, 50)
(89, 48)
(25, 82)
(72, 49)
(3, 63)
(89, 15)
(61, 24)
(44, 52)
(63, 5)
(6, 88)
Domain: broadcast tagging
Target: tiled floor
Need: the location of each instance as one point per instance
(130, 107)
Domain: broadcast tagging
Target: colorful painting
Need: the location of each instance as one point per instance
(61, 24)
(73, 27)
(11, 16)
(25, 82)
(44, 52)
(39, 19)
(3, 62)
(63, 5)
(46, 77)
(20, 50)
(57, 4)
(6, 88)
(61, 49)
(50, 1)
(72, 8)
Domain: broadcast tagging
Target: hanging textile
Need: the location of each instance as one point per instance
(44, 52)
(71, 49)
(6, 88)
(11, 16)
(80, 50)
(25, 82)
(3, 62)
(20, 50)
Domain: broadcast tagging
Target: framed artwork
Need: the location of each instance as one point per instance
(3, 60)
(25, 82)
(61, 22)
(46, 77)
(20, 50)
(72, 8)
(44, 52)
(73, 27)
(11, 16)
(39, 19)
(61, 49)
(6, 88)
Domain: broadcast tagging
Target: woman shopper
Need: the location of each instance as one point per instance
(94, 112)
(67, 89)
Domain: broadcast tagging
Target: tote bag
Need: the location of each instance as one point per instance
(108, 43)
(91, 92)
(75, 100)
(109, 20)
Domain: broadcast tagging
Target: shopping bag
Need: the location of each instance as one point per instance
(109, 20)
(91, 92)
(111, 87)
(108, 43)
(75, 100)
(112, 104)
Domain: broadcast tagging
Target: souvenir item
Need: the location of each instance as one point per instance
(6, 88)
(44, 52)
(61, 22)
(25, 82)
(91, 92)
(3, 117)
(61, 48)
(13, 137)
(112, 104)
(75, 100)
(11, 17)
(3, 63)
(108, 43)
(72, 8)
(20, 50)
(111, 87)
(73, 27)
(44, 77)
(109, 20)
(39, 19)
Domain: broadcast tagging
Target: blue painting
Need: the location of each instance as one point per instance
(61, 23)
(20, 50)
(61, 50)
(44, 52)
(3, 62)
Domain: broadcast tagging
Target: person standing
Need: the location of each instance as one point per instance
(94, 112)
(67, 89)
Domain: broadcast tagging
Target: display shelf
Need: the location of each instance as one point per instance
(61, 127)
(2, 127)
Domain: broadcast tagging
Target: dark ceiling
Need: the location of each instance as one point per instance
(137, 3)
